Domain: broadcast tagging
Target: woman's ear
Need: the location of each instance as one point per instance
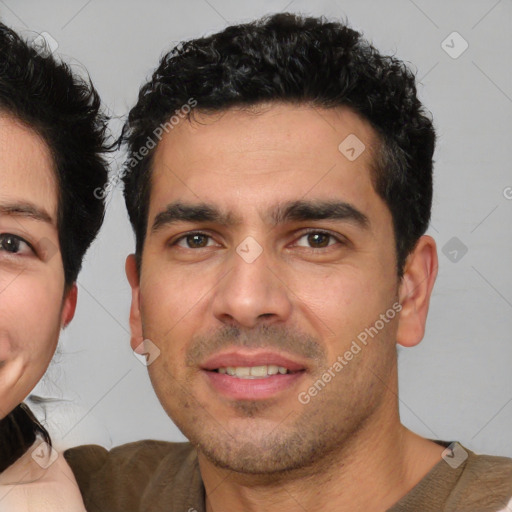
(415, 289)
(69, 306)
(135, 319)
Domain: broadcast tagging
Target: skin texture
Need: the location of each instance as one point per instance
(33, 305)
(306, 298)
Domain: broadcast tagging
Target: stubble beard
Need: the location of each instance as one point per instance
(304, 443)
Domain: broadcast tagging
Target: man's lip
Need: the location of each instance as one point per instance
(251, 358)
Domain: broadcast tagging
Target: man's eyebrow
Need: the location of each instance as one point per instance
(319, 210)
(182, 212)
(27, 210)
(292, 211)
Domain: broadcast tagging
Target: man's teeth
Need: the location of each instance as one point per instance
(253, 372)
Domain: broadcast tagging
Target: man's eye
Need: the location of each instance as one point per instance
(14, 244)
(195, 241)
(316, 240)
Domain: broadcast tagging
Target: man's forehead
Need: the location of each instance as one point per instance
(272, 130)
(278, 167)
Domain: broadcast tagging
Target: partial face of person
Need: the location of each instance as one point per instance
(32, 308)
(268, 252)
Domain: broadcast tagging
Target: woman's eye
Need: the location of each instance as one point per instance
(13, 244)
(195, 241)
(316, 240)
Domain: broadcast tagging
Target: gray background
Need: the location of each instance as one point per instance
(457, 384)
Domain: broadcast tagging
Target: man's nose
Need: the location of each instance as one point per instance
(251, 292)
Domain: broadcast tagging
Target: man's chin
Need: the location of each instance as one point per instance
(258, 453)
(250, 460)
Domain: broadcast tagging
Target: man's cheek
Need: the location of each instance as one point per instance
(169, 385)
(167, 299)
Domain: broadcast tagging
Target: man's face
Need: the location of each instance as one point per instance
(268, 250)
(31, 271)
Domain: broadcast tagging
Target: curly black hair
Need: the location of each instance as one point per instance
(295, 59)
(65, 110)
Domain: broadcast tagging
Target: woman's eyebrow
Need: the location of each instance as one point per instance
(27, 210)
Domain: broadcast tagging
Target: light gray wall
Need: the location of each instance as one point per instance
(458, 383)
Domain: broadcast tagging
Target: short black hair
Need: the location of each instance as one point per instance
(65, 110)
(294, 59)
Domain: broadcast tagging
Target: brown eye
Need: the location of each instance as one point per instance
(194, 241)
(197, 241)
(13, 244)
(316, 240)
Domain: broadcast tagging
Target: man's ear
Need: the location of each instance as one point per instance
(135, 319)
(69, 306)
(415, 289)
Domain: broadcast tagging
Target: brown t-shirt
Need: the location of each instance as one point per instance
(156, 476)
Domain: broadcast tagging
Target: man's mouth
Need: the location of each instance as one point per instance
(252, 375)
(253, 372)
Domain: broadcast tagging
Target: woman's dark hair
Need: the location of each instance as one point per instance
(18, 432)
(295, 59)
(64, 110)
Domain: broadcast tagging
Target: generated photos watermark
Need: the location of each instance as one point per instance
(151, 142)
(356, 347)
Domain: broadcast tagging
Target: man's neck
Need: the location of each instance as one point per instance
(372, 474)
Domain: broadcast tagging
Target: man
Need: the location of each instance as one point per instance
(279, 186)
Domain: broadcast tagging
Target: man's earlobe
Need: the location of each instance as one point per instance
(135, 319)
(415, 290)
(69, 306)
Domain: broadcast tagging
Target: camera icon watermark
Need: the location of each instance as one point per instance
(44, 44)
(507, 193)
(454, 45)
(249, 249)
(44, 455)
(351, 147)
(146, 352)
(454, 455)
(454, 249)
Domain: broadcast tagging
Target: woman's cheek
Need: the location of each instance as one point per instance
(35, 318)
